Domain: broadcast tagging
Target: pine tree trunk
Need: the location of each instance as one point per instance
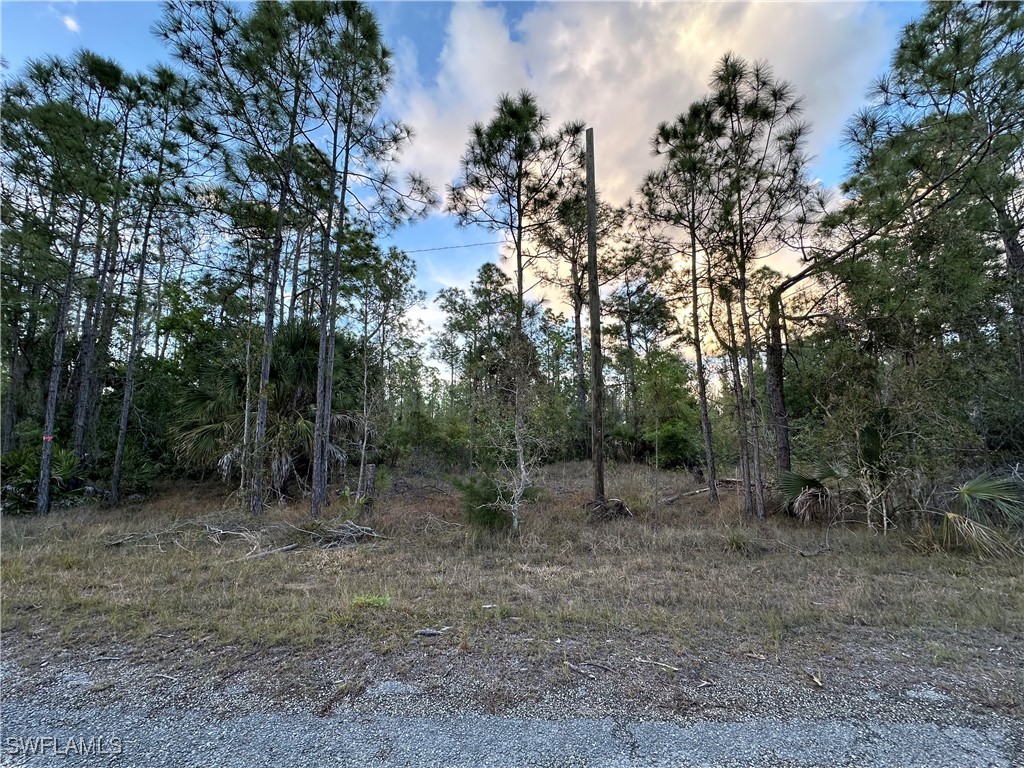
(87, 401)
(1010, 234)
(743, 433)
(60, 332)
(755, 420)
(158, 299)
(774, 385)
(257, 490)
(133, 351)
(702, 384)
(631, 387)
(87, 340)
(330, 267)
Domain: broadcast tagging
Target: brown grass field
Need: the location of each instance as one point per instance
(688, 577)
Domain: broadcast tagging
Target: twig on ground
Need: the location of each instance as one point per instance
(656, 663)
(345, 535)
(580, 670)
(254, 556)
(431, 632)
(598, 665)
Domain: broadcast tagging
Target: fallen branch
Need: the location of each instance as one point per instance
(346, 535)
(661, 664)
(580, 670)
(431, 632)
(265, 553)
(695, 493)
(598, 665)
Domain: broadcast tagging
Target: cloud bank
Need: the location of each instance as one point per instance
(624, 68)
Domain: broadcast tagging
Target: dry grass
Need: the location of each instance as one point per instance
(675, 571)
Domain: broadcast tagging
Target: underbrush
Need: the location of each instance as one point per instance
(181, 566)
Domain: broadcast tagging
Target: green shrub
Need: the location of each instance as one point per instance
(21, 479)
(483, 505)
(486, 504)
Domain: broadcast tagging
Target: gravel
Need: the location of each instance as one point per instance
(457, 711)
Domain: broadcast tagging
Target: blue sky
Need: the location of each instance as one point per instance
(620, 67)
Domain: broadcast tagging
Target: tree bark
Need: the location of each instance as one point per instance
(741, 412)
(330, 266)
(702, 385)
(1009, 232)
(775, 385)
(60, 332)
(133, 352)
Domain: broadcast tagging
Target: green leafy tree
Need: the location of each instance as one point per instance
(951, 111)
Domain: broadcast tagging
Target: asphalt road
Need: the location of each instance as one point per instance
(125, 735)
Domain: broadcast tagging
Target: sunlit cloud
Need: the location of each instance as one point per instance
(623, 68)
(71, 23)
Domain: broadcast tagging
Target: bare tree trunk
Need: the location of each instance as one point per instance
(774, 385)
(257, 487)
(364, 441)
(522, 472)
(741, 413)
(1010, 233)
(330, 266)
(15, 383)
(87, 402)
(702, 384)
(755, 420)
(370, 493)
(87, 342)
(295, 275)
(245, 460)
(158, 299)
(60, 332)
(133, 352)
(632, 409)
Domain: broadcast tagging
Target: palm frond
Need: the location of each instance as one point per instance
(1004, 494)
(959, 532)
(793, 484)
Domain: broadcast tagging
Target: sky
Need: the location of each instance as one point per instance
(621, 67)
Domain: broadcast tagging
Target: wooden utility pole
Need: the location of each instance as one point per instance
(596, 374)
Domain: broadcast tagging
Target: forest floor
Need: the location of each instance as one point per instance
(683, 609)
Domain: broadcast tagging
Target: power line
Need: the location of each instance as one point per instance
(451, 247)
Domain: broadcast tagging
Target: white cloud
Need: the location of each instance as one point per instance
(478, 61)
(623, 68)
(71, 23)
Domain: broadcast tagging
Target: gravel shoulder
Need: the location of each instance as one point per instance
(861, 699)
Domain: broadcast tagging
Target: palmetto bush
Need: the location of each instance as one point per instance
(211, 430)
(21, 479)
(983, 514)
